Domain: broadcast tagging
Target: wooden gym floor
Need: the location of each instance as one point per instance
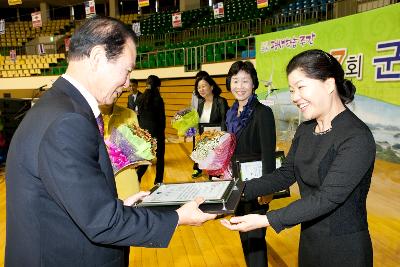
(213, 245)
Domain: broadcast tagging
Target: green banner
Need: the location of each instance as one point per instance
(366, 44)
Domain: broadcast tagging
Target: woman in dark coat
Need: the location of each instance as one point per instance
(331, 158)
(211, 107)
(151, 116)
(254, 127)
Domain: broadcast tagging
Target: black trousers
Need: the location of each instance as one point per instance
(160, 153)
(253, 242)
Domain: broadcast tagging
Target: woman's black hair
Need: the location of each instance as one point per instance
(216, 90)
(153, 83)
(245, 66)
(319, 65)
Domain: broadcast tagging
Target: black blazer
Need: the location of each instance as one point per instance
(333, 172)
(132, 102)
(258, 138)
(62, 205)
(218, 110)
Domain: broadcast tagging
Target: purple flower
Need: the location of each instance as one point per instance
(191, 132)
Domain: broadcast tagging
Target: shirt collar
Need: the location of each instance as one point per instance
(85, 93)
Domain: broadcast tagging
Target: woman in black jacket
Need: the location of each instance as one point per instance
(254, 127)
(151, 116)
(211, 107)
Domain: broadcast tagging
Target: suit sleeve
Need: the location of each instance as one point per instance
(131, 103)
(70, 170)
(353, 160)
(162, 118)
(267, 135)
(223, 109)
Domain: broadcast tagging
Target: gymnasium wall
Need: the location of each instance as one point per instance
(368, 47)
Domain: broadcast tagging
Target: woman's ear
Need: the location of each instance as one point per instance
(330, 85)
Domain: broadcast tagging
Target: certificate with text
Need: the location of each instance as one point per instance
(179, 193)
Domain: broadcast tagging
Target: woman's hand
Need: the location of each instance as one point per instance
(246, 223)
(135, 198)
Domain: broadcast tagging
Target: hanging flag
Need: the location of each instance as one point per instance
(2, 26)
(36, 19)
(262, 3)
(143, 3)
(41, 50)
(13, 55)
(90, 9)
(218, 10)
(14, 2)
(136, 28)
(67, 41)
(176, 20)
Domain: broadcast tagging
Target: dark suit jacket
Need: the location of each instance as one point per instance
(133, 102)
(62, 205)
(218, 110)
(258, 138)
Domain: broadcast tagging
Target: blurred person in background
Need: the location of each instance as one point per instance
(151, 115)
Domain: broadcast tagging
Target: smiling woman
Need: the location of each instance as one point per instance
(254, 127)
(331, 158)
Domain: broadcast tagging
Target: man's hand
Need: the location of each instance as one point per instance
(246, 223)
(190, 214)
(135, 198)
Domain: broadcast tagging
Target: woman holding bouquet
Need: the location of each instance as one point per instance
(151, 115)
(211, 107)
(254, 127)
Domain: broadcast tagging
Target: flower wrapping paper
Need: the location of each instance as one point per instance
(129, 144)
(184, 120)
(213, 153)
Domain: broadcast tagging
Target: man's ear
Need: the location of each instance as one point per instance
(97, 57)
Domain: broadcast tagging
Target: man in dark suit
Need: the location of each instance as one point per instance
(133, 97)
(62, 205)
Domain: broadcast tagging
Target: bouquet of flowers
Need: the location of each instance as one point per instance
(186, 121)
(213, 153)
(130, 145)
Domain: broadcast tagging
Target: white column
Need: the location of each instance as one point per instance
(113, 6)
(189, 4)
(45, 12)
